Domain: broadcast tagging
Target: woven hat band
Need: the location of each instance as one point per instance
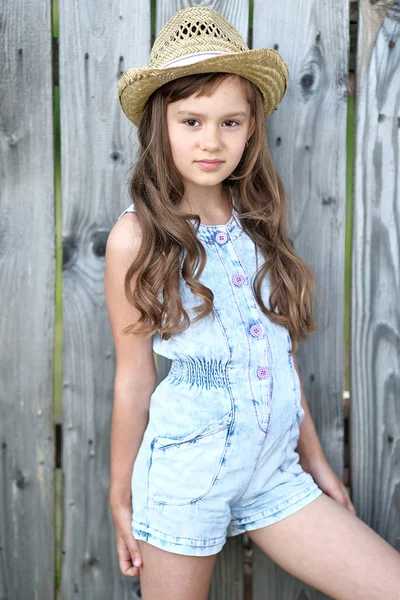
(190, 59)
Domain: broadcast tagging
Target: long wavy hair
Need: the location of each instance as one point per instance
(170, 247)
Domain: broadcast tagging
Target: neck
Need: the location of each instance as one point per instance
(208, 202)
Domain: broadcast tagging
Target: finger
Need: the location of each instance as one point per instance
(135, 556)
(134, 551)
(126, 560)
(125, 564)
(341, 496)
(337, 494)
(132, 572)
(349, 503)
(127, 568)
(352, 507)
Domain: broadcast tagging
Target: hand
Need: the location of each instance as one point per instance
(127, 547)
(326, 478)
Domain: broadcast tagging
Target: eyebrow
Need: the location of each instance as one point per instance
(239, 113)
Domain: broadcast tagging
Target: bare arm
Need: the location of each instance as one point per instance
(309, 447)
(136, 375)
(313, 459)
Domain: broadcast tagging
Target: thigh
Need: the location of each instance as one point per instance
(166, 575)
(328, 547)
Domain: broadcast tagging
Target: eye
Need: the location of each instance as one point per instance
(189, 122)
(231, 123)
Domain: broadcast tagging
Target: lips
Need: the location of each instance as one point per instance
(210, 160)
(208, 164)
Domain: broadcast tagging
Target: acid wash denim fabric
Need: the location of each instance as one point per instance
(218, 456)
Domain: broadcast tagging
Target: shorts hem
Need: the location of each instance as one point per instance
(177, 544)
(275, 513)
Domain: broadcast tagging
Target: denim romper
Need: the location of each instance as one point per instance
(218, 456)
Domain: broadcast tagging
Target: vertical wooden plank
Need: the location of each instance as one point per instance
(98, 41)
(228, 579)
(375, 337)
(307, 137)
(27, 286)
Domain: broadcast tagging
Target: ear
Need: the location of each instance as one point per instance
(251, 128)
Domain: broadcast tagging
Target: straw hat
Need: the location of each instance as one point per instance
(200, 40)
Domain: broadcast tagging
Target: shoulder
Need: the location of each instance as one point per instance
(130, 209)
(124, 238)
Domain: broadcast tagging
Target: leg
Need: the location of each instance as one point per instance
(168, 576)
(334, 551)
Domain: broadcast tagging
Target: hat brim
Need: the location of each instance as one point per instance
(262, 66)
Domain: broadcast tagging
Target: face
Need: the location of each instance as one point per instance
(208, 134)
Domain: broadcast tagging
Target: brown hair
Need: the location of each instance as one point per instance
(169, 242)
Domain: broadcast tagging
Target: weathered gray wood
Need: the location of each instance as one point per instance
(27, 286)
(270, 582)
(98, 41)
(231, 558)
(228, 576)
(307, 137)
(375, 338)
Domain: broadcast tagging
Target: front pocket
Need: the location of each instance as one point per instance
(184, 470)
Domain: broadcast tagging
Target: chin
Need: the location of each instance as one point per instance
(210, 182)
(210, 179)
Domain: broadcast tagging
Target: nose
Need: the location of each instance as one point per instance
(210, 140)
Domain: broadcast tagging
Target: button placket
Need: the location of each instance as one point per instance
(260, 366)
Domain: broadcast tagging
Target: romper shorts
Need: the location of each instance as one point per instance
(222, 479)
(218, 456)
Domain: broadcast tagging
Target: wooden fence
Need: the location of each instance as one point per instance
(307, 135)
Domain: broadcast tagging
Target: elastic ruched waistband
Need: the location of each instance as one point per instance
(200, 371)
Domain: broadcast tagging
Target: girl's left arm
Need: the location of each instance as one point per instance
(313, 459)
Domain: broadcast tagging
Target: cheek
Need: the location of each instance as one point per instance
(180, 147)
(237, 152)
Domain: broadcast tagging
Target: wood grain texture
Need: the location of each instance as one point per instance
(228, 576)
(270, 582)
(375, 337)
(97, 42)
(307, 138)
(27, 288)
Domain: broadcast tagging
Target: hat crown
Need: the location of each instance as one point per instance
(193, 30)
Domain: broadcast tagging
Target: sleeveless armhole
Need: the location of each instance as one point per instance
(130, 208)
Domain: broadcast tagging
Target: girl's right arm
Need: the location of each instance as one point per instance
(135, 380)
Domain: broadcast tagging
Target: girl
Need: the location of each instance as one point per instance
(200, 270)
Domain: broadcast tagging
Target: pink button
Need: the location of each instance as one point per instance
(221, 237)
(238, 279)
(262, 372)
(256, 330)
